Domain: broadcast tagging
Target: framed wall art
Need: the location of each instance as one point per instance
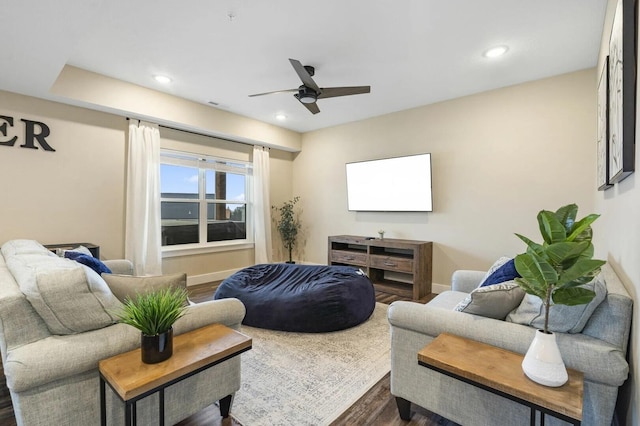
(622, 90)
(603, 182)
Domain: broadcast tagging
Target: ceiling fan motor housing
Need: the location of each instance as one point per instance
(306, 95)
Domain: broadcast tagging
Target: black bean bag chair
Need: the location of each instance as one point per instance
(301, 298)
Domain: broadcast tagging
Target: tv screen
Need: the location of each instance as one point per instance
(400, 184)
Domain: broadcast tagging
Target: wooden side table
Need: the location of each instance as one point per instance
(499, 371)
(193, 352)
(94, 249)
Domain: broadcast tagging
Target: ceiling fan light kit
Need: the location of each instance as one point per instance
(306, 95)
(309, 92)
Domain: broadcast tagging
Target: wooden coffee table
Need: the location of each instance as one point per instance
(193, 352)
(500, 372)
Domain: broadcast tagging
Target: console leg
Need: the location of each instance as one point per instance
(225, 406)
(404, 408)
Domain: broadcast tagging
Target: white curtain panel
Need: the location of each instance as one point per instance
(142, 236)
(262, 205)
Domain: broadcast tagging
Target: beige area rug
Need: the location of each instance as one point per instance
(310, 379)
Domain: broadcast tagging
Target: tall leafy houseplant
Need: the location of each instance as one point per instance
(288, 224)
(154, 313)
(555, 269)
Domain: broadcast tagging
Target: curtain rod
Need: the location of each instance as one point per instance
(200, 134)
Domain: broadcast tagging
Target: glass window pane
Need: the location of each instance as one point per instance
(225, 186)
(178, 181)
(179, 223)
(226, 222)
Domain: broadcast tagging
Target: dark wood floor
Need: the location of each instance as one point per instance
(376, 408)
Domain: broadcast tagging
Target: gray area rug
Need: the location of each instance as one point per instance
(310, 378)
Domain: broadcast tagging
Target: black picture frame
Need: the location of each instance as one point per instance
(622, 91)
(602, 140)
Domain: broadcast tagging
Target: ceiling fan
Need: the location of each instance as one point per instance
(309, 92)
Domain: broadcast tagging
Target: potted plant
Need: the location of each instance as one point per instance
(288, 225)
(555, 271)
(154, 313)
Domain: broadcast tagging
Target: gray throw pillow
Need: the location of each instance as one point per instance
(124, 286)
(70, 300)
(562, 318)
(492, 301)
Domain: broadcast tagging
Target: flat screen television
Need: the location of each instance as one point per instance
(399, 184)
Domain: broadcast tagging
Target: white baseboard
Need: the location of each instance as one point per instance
(210, 277)
(439, 288)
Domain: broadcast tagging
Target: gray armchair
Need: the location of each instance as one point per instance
(599, 351)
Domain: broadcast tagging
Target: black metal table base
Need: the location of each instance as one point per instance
(130, 404)
(535, 408)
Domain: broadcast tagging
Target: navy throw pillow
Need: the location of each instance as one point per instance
(89, 261)
(506, 272)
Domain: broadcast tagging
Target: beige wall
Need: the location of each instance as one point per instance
(617, 239)
(497, 159)
(77, 193)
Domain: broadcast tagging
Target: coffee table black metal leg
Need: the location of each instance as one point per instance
(161, 406)
(130, 413)
(103, 404)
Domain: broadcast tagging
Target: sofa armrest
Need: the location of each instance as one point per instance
(59, 357)
(120, 266)
(229, 312)
(466, 280)
(599, 361)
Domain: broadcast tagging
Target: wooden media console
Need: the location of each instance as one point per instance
(401, 267)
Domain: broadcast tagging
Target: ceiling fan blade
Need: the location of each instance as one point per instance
(332, 92)
(304, 75)
(276, 91)
(312, 107)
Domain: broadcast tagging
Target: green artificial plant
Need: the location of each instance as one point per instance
(154, 312)
(556, 269)
(288, 224)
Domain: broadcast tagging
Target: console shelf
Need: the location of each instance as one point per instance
(401, 267)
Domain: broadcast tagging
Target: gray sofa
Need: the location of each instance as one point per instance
(53, 376)
(599, 351)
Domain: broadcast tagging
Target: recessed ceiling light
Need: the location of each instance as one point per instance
(494, 52)
(162, 79)
(281, 117)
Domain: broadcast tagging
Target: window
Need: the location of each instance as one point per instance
(203, 200)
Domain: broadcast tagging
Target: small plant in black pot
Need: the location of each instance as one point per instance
(154, 314)
(288, 225)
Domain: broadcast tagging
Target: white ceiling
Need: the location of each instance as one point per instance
(411, 52)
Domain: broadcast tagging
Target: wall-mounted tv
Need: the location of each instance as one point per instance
(399, 184)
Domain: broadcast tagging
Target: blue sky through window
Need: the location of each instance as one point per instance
(184, 180)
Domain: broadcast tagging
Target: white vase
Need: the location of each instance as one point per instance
(543, 363)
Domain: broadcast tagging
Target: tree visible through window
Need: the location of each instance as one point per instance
(203, 200)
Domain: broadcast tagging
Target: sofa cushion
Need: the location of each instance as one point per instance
(492, 301)
(562, 318)
(71, 298)
(87, 260)
(506, 272)
(123, 286)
